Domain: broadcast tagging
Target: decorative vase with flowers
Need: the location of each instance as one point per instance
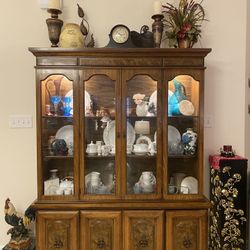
(183, 23)
(142, 104)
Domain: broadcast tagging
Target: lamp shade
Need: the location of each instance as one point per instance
(54, 4)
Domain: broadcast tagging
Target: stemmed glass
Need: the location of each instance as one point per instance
(67, 110)
(55, 99)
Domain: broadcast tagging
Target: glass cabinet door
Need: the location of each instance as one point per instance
(57, 159)
(99, 129)
(183, 137)
(140, 122)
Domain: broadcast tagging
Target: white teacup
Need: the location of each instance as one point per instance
(91, 148)
(142, 147)
(105, 150)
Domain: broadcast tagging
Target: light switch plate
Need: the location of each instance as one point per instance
(208, 121)
(20, 121)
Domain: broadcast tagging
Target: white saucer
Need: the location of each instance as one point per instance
(191, 183)
(140, 152)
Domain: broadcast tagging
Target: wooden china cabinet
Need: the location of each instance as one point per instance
(120, 149)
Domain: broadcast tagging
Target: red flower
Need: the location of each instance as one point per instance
(186, 27)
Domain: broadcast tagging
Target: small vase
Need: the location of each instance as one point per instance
(142, 109)
(189, 140)
(71, 36)
(184, 43)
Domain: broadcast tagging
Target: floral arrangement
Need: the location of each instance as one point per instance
(183, 23)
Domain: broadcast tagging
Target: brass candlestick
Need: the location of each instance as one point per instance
(54, 26)
(157, 28)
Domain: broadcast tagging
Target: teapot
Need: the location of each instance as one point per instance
(91, 148)
(93, 179)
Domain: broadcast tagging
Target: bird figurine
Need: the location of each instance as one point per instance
(19, 232)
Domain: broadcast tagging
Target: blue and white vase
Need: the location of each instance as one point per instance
(189, 140)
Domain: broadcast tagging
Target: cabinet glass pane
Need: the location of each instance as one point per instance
(141, 114)
(57, 149)
(100, 135)
(183, 137)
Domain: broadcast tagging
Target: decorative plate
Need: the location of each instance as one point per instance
(186, 107)
(153, 98)
(87, 99)
(191, 183)
(152, 104)
(174, 135)
(66, 133)
(109, 134)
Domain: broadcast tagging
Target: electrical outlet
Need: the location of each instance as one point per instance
(208, 121)
(20, 121)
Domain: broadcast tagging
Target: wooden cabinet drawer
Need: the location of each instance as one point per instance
(143, 230)
(57, 230)
(100, 230)
(186, 230)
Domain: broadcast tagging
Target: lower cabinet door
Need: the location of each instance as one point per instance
(57, 230)
(100, 230)
(186, 230)
(143, 230)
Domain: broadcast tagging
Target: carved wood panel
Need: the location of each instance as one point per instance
(101, 234)
(143, 230)
(57, 231)
(186, 233)
(100, 230)
(186, 230)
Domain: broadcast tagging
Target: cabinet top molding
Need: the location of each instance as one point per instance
(125, 52)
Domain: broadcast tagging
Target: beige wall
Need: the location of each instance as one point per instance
(23, 25)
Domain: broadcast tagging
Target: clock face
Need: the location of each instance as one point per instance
(120, 34)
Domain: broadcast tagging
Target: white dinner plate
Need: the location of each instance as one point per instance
(87, 99)
(186, 107)
(191, 183)
(174, 135)
(66, 133)
(109, 134)
(153, 99)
